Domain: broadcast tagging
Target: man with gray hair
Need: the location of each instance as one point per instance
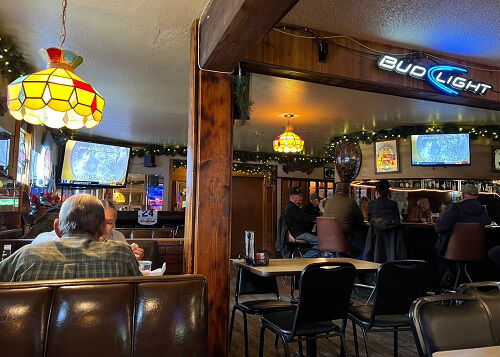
(420, 213)
(78, 254)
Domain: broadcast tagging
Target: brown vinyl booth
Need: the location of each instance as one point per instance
(134, 316)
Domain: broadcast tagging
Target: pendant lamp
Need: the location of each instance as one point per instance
(288, 141)
(56, 97)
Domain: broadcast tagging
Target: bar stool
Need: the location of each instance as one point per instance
(467, 244)
(331, 236)
(297, 244)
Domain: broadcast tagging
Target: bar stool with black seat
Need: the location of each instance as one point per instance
(467, 244)
(489, 293)
(450, 322)
(331, 236)
(324, 295)
(398, 284)
(248, 283)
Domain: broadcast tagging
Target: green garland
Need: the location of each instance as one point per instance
(269, 171)
(368, 137)
(12, 63)
(242, 101)
(12, 66)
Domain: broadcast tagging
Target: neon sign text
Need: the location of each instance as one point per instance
(443, 77)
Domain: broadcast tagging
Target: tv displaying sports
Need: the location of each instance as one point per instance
(440, 149)
(87, 164)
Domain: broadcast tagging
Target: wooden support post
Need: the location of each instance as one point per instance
(208, 210)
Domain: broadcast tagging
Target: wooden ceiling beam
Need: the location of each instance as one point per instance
(230, 29)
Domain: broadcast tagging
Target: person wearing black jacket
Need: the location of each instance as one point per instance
(469, 210)
(300, 222)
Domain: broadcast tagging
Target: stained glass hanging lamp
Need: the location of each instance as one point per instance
(56, 97)
(288, 141)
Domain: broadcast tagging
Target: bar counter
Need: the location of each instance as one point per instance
(421, 237)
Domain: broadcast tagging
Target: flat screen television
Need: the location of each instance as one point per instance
(440, 149)
(87, 164)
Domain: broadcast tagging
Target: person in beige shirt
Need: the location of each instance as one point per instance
(421, 212)
(345, 210)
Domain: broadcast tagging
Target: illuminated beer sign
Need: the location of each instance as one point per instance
(445, 78)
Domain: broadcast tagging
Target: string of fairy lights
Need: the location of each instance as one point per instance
(12, 64)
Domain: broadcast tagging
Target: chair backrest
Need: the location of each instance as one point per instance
(440, 324)
(163, 233)
(324, 293)
(467, 243)
(134, 316)
(151, 250)
(289, 238)
(141, 233)
(248, 283)
(15, 244)
(331, 236)
(489, 293)
(398, 284)
(179, 231)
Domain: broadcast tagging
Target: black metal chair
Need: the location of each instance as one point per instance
(398, 284)
(248, 283)
(450, 322)
(489, 293)
(324, 295)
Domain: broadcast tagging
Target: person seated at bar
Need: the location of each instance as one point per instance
(384, 241)
(346, 211)
(110, 234)
(78, 254)
(383, 207)
(299, 222)
(468, 210)
(312, 207)
(363, 206)
(421, 212)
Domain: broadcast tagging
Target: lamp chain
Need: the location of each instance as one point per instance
(62, 35)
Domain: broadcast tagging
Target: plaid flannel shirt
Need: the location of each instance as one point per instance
(75, 256)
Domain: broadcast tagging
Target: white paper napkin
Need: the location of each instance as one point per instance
(159, 271)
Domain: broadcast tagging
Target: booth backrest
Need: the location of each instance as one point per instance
(136, 316)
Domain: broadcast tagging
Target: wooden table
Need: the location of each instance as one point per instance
(291, 267)
(492, 351)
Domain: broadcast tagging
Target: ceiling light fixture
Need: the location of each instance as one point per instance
(288, 141)
(56, 97)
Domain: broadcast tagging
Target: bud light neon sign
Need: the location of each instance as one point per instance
(445, 78)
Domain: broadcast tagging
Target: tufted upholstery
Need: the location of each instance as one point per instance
(136, 316)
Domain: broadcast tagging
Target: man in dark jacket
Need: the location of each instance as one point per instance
(468, 210)
(299, 222)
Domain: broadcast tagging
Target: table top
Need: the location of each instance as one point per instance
(470, 352)
(290, 267)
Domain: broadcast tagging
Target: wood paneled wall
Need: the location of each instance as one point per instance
(480, 168)
(282, 55)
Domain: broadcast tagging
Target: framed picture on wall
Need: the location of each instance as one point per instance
(386, 156)
(496, 159)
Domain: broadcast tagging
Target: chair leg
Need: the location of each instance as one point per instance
(245, 332)
(370, 297)
(276, 341)
(467, 273)
(301, 352)
(355, 335)
(231, 326)
(261, 341)
(395, 342)
(459, 271)
(343, 350)
(285, 346)
(365, 338)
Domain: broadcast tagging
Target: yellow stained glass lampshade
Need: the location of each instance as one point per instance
(288, 141)
(56, 97)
